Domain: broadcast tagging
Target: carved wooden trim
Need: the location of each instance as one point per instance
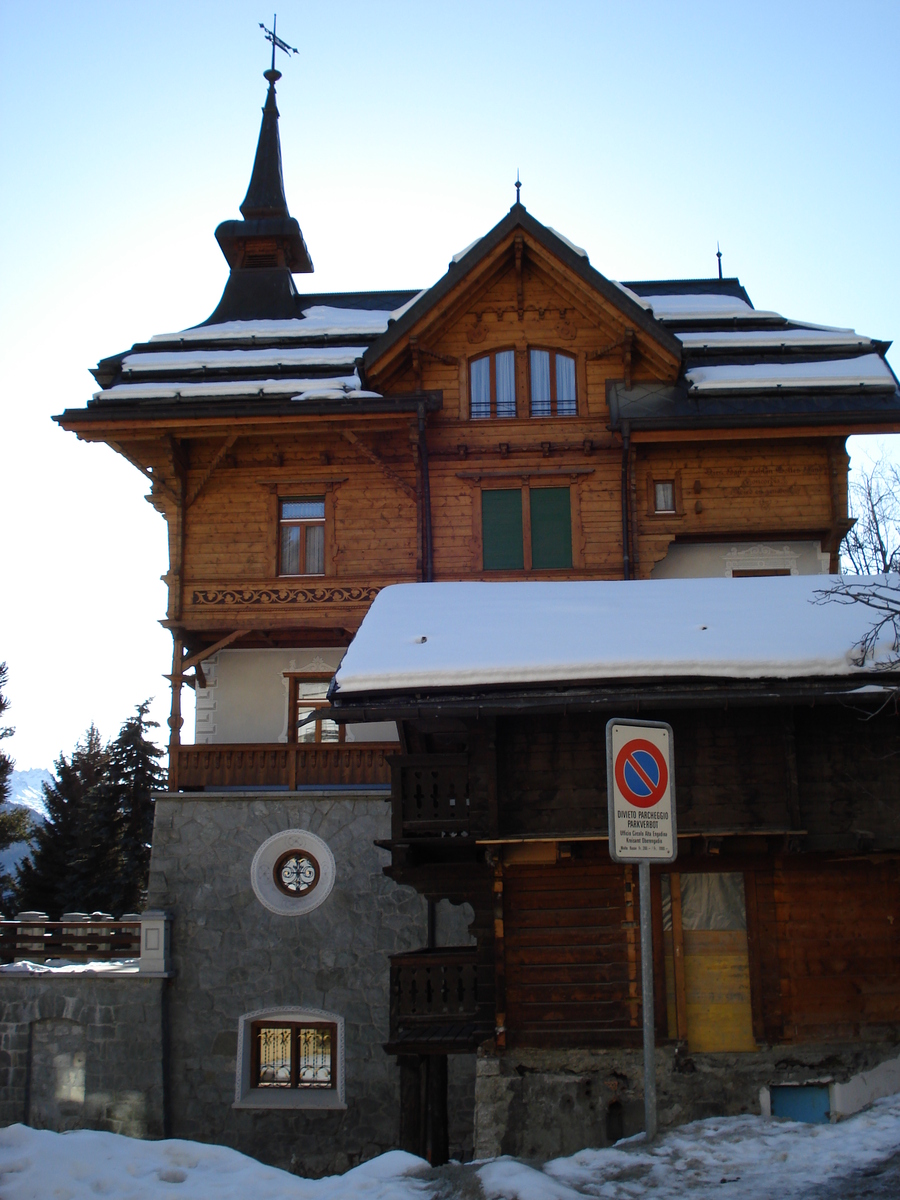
(231, 597)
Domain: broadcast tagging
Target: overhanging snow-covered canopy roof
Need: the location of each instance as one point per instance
(425, 637)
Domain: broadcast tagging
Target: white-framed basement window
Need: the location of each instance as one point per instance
(290, 1058)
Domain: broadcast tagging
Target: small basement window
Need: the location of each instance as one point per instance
(301, 521)
(290, 1058)
(552, 384)
(492, 385)
(664, 496)
(291, 1055)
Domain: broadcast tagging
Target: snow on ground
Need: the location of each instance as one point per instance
(730, 1158)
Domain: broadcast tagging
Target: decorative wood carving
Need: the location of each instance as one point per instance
(230, 597)
(477, 333)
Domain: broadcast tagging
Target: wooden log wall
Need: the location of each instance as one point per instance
(830, 774)
(572, 953)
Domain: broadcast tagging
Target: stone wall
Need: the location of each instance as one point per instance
(545, 1103)
(233, 956)
(82, 1052)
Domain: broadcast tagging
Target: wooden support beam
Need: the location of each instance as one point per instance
(203, 655)
(370, 454)
(207, 474)
(159, 484)
(519, 249)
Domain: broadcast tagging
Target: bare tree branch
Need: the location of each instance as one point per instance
(882, 596)
(872, 546)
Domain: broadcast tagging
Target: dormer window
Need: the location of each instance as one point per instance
(552, 384)
(492, 385)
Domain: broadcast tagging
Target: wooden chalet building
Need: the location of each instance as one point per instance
(524, 419)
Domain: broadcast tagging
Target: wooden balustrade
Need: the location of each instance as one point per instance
(281, 765)
(431, 795)
(441, 1001)
(75, 941)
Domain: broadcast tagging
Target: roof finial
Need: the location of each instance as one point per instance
(518, 187)
(719, 257)
(277, 44)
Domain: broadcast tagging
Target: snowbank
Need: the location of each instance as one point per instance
(729, 1158)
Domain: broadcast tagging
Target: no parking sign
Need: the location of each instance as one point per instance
(641, 790)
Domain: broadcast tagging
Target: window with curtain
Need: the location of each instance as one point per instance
(301, 521)
(492, 385)
(552, 383)
(290, 1055)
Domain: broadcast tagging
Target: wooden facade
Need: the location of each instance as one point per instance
(509, 813)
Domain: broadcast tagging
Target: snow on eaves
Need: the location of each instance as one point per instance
(398, 312)
(705, 307)
(460, 254)
(440, 635)
(244, 387)
(319, 320)
(766, 339)
(866, 370)
(639, 300)
(238, 360)
(562, 237)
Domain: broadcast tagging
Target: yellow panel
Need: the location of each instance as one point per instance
(717, 988)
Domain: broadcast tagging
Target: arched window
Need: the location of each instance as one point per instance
(552, 378)
(492, 385)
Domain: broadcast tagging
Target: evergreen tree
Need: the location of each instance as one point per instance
(134, 772)
(6, 763)
(94, 851)
(15, 823)
(59, 875)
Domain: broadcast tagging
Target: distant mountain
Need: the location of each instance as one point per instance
(24, 791)
(25, 788)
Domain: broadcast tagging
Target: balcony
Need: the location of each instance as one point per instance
(431, 797)
(36, 939)
(248, 766)
(442, 1001)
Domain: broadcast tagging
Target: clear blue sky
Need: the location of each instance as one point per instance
(643, 131)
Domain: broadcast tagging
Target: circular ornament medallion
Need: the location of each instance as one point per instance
(292, 872)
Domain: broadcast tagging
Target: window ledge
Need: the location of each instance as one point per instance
(292, 1099)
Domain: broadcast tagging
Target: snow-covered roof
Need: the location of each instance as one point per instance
(241, 387)
(421, 636)
(866, 370)
(770, 339)
(241, 360)
(713, 306)
(318, 321)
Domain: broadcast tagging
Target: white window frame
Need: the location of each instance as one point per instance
(247, 1096)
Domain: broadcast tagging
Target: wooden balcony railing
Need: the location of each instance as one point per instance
(76, 941)
(280, 765)
(430, 795)
(441, 1001)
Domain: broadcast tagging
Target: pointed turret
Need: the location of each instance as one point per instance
(265, 195)
(266, 247)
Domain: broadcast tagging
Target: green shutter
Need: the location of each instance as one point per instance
(551, 528)
(501, 530)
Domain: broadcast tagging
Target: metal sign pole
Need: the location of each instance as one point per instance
(647, 1000)
(640, 787)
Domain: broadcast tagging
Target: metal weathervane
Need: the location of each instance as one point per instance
(277, 43)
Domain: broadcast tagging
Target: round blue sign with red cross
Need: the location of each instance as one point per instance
(642, 773)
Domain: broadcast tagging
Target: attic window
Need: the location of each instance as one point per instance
(492, 383)
(552, 384)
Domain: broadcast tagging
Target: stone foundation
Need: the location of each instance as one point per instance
(232, 956)
(82, 1052)
(541, 1104)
